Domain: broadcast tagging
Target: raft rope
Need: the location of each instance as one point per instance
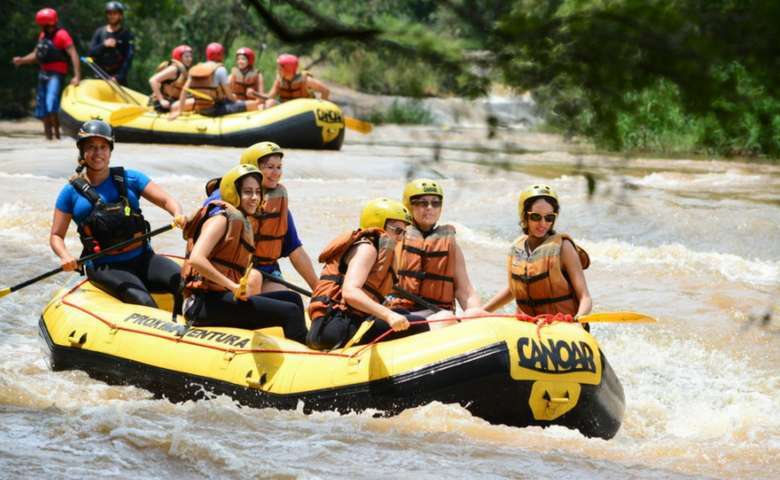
(540, 321)
(177, 339)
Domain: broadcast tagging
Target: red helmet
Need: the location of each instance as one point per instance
(288, 63)
(248, 53)
(179, 52)
(46, 16)
(215, 52)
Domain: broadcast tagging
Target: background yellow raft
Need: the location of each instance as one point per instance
(500, 369)
(301, 123)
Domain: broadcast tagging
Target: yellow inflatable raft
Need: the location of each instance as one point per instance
(301, 123)
(503, 370)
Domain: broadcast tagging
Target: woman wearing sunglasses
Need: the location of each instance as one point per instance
(429, 262)
(545, 268)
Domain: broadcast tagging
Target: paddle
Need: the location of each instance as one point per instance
(242, 284)
(362, 329)
(601, 317)
(125, 115)
(417, 299)
(198, 94)
(110, 81)
(85, 259)
(358, 125)
(281, 281)
(616, 317)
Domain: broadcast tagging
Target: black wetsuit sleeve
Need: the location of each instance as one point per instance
(96, 45)
(128, 56)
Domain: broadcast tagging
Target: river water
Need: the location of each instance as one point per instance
(694, 243)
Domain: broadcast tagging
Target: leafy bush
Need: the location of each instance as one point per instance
(402, 113)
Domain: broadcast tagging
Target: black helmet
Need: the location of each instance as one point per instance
(115, 7)
(95, 128)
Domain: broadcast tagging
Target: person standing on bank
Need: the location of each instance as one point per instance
(428, 261)
(54, 47)
(356, 277)
(545, 268)
(220, 244)
(112, 46)
(104, 203)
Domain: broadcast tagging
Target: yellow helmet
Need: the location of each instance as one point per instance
(380, 210)
(421, 186)
(535, 191)
(253, 154)
(229, 185)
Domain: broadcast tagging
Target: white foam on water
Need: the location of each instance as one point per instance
(27, 176)
(731, 179)
(618, 254)
(176, 179)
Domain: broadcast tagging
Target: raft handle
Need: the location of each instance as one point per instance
(558, 400)
(252, 383)
(77, 342)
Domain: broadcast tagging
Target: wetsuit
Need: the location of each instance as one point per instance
(116, 61)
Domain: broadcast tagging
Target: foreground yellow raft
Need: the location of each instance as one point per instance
(301, 123)
(500, 369)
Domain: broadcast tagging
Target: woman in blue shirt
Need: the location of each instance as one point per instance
(104, 203)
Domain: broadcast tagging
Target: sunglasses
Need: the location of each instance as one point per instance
(537, 217)
(395, 230)
(426, 203)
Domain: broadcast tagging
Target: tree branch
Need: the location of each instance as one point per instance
(325, 29)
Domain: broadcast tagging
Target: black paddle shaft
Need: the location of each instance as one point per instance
(291, 286)
(103, 75)
(92, 256)
(417, 299)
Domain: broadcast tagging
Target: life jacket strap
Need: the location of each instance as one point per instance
(546, 301)
(531, 278)
(425, 276)
(423, 253)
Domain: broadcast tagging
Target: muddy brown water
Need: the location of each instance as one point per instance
(694, 243)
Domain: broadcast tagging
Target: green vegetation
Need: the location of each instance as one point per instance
(630, 75)
(402, 113)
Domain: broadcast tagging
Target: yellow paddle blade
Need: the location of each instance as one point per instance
(198, 94)
(617, 317)
(5, 292)
(126, 114)
(242, 284)
(362, 329)
(358, 125)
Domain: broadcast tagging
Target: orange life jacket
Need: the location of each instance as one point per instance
(426, 267)
(273, 226)
(202, 80)
(230, 256)
(171, 88)
(241, 81)
(295, 88)
(327, 293)
(537, 279)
